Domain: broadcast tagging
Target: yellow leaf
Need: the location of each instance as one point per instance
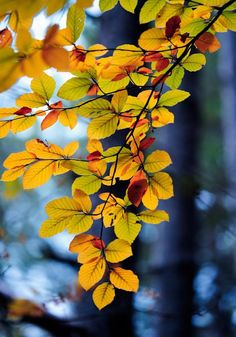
(75, 21)
(89, 184)
(173, 97)
(106, 5)
(71, 148)
(103, 295)
(129, 5)
(230, 20)
(83, 199)
(118, 250)
(68, 117)
(24, 41)
(7, 112)
(13, 174)
(152, 39)
(124, 279)
(19, 159)
(5, 127)
(161, 117)
(44, 151)
(22, 123)
(31, 100)
(89, 254)
(153, 217)
(103, 126)
(119, 99)
(163, 185)
(150, 197)
(62, 207)
(150, 10)
(52, 227)
(44, 86)
(93, 109)
(80, 223)
(38, 174)
(91, 273)
(157, 161)
(74, 89)
(194, 62)
(127, 228)
(77, 166)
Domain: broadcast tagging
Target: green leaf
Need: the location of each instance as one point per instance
(43, 86)
(173, 97)
(194, 62)
(150, 10)
(74, 89)
(129, 5)
(106, 5)
(75, 21)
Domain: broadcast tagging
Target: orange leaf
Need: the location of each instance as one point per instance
(207, 42)
(137, 187)
(50, 119)
(5, 38)
(146, 143)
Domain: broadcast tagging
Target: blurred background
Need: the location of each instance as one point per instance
(187, 268)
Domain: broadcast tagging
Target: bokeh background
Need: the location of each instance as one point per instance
(187, 268)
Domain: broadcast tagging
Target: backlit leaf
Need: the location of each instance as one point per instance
(153, 217)
(44, 86)
(157, 161)
(91, 273)
(31, 100)
(118, 250)
(74, 89)
(127, 228)
(173, 97)
(124, 279)
(38, 174)
(103, 295)
(129, 5)
(103, 127)
(75, 21)
(150, 10)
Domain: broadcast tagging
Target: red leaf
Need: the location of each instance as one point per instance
(146, 143)
(172, 25)
(162, 63)
(23, 111)
(137, 187)
(94, 156)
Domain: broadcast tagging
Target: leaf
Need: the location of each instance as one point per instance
(207, 42)
(68, 118)
(80, 223)
(96, 108)
(103, 127)
(52, 227)
(23, 111)
(83, 199)
(71, 148)
(62, 207)
(172, 25)
(12, 174)
(150, 10)
(194, 62)
(163, 185)
(81, 242)
(153, 217)
(44, 86)
(127, 228)
(161, 117)
(157, 161)
(31, 100)
(129, 5)
(89, 184)
(106, 5)
(50, 119)
(175, 79)
(18, 159)
(151, 39)
(5, 127)
(5, 38)
(230, 20)
(103, 295)
(77, 166)
(173, 97)
(74, 89)
(20, 124)
(91, 273)
(75, 21)
(118, 250)
(38, 174)
(124, 279)
(137, 187)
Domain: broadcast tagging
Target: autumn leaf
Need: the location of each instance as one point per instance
(137, 187)
(103, 295)
(91, 273)
(124, 279)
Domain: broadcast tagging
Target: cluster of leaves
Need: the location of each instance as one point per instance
(100, 85)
